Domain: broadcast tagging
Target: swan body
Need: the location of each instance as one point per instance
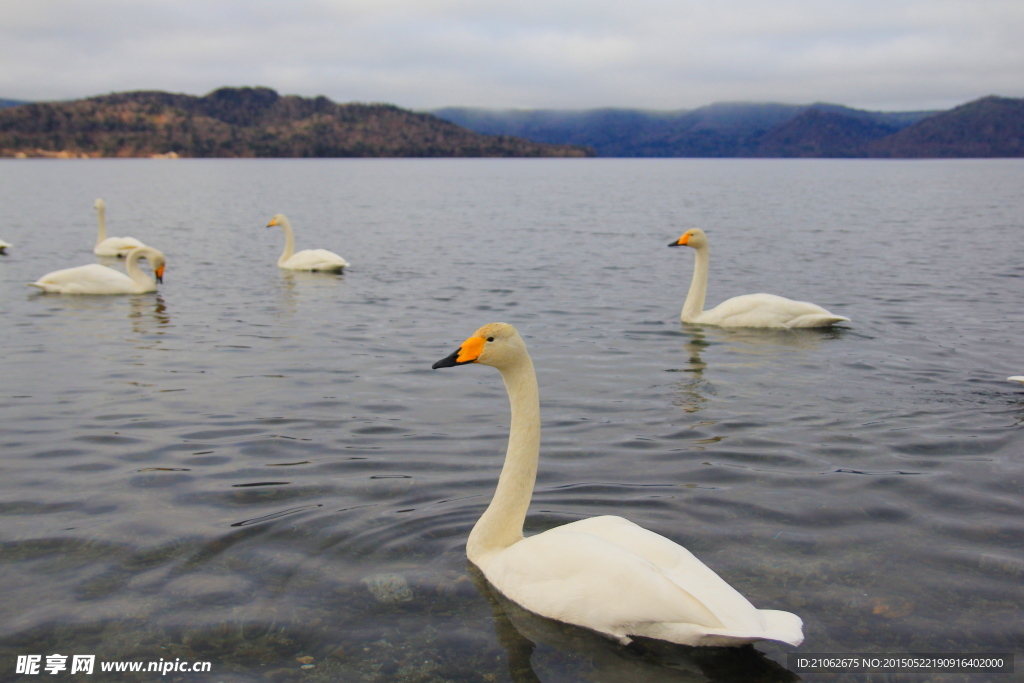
(110, 246)
(603, 573)
(1016, 378)
(749, 310)
(307, 259)
(97, 279)
(3, 246)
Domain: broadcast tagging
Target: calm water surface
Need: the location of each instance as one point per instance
(259, 469)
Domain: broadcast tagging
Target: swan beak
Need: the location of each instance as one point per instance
(159, 272)
(467, 353)
(272, 223)
(681, 242)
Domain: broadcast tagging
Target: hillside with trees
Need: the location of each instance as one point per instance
(244, 122)
(989, 127)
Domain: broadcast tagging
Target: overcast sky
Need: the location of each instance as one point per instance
(891, 55)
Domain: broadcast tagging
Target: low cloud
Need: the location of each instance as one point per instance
(901, 54)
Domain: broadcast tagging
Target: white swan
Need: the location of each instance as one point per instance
(3, 246)
(307, 259)
(603, 573)
(749, 310)
(110, 246)
(1016, 378)
(97, 279)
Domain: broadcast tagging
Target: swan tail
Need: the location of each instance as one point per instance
(817, 320)
(779, 626)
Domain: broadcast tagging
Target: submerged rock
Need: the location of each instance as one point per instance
(389, 588)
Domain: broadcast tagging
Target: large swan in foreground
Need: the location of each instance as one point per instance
(603, 573)
(110, 246)
(307, 259)
(749, 310)
(97, 279)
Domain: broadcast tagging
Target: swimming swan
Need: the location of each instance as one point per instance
(3, 246)
(110, 246)
(97, 279)
(749, 310)
(1016, 378)
(307, 259)
(603, 573)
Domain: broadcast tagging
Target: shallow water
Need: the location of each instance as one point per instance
(254, 468)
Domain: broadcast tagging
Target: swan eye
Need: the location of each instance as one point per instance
(490, 339)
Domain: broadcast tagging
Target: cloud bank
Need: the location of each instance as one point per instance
(656, 54)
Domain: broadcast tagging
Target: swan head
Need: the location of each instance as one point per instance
(694, 237)
(494, 344)
(99, 205)
(156, 258)
(278, 219)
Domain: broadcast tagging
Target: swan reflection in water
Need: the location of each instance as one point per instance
(601, 660)
(144, 309)
(693, 390)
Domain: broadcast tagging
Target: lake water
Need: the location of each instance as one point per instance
(259, 469)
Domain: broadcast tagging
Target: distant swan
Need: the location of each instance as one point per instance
(110, 246)
(602, 573)
(308, 259)
(97, 279)
(3, 246)
(1016, 378)
(749, 310)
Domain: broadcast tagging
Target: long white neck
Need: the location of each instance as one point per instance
(289, 242)
(694, 304)
(501, 525)
(101, 218)
(143, 282)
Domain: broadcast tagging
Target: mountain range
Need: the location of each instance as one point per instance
(988, 127)
(258, 122)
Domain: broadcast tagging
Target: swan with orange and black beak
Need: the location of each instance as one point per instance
(602, 573)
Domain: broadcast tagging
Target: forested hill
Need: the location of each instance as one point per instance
(988, 127)
(244, 122)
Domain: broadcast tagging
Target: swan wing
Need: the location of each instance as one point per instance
(314, 259)
(612, 576)
(116, 246)
(90, 279)
(768, 310)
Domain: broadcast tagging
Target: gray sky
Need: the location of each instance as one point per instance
(571, 54)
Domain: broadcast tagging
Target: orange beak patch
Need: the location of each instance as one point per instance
(467, 353)
(471, 350)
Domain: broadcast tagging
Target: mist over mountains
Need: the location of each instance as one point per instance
(988, 127)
